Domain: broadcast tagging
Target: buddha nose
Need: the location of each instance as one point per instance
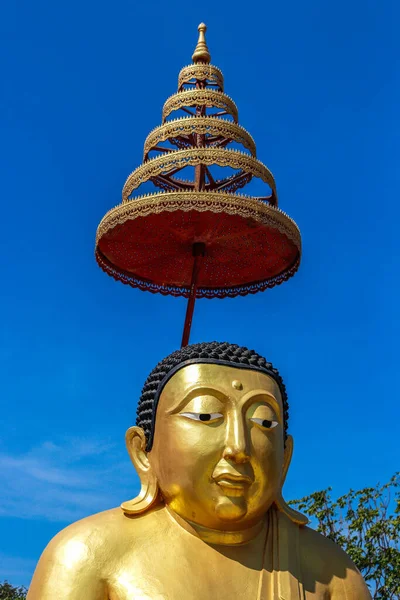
(237, 442)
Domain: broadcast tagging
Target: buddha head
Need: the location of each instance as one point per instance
(211, 437)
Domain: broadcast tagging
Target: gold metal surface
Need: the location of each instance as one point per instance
(216, 202)
(149, 490)
(201, 53)
(194, 156)
(206, 98)
(205, 524)
(201, 72)
(202, 126)
(238, 385)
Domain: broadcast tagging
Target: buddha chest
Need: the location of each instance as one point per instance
(186, 571)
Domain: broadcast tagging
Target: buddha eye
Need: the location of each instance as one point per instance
(204, 417)
(265, 423)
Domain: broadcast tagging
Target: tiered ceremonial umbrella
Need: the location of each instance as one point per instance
(197, 237)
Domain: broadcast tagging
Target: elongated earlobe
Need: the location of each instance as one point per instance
(149, 492)
(293, 515)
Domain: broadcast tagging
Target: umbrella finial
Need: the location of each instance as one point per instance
(201, 53)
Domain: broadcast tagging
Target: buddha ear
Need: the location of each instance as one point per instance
(149, 493)
(293, 515)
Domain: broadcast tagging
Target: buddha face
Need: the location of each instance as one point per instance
(218, 449)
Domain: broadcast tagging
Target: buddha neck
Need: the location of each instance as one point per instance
(220, 537)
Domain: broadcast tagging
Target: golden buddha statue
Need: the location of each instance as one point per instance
(212, 453)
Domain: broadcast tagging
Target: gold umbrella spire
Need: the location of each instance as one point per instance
(201, 53)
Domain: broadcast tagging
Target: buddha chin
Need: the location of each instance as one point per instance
(231, 507)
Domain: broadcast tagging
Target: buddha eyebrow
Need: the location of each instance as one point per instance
(198, 391)
(266, 398)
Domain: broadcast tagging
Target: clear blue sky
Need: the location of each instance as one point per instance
(82, 83)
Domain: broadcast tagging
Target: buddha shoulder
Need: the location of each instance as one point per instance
(80, 557)
(325, 564)
(110, 528)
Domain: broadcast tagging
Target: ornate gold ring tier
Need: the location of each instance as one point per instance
(259, 215)
(206, 98)
(201, 72)
(201, 125)
(194, 156)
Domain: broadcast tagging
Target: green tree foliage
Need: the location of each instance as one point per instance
(366, 524)
(9, 592)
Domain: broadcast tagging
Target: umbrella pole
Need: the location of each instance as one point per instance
(198, 248)
(198, 254)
